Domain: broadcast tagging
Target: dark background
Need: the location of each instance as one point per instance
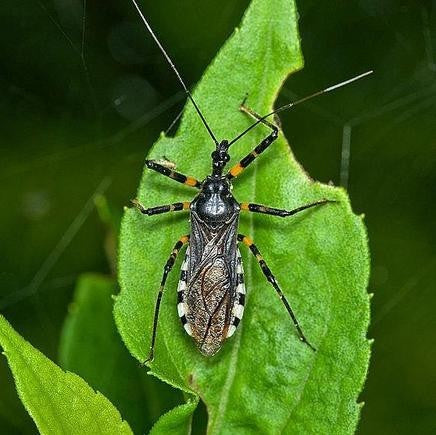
(79, 110)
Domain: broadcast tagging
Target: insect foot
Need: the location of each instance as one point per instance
(244, 100)
(150, 358)
(135, 203)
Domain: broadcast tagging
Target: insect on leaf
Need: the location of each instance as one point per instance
(263, 380)
(58, 401)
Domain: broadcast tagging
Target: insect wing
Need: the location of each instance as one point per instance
(211, 284)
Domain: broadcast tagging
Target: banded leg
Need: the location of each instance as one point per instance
(270, 277)
(168, 266)
(239, 167)
(258, 208)
(168, 172)
(177, 206)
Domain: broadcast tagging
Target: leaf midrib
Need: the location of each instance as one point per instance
(236, 346)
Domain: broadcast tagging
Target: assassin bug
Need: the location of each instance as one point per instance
(211, 291)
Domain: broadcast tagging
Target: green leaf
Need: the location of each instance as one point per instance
(91, 347)
(263, 380)
(59, 402)
(178, 420)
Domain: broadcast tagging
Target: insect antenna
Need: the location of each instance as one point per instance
(188, 93)
(302, 100)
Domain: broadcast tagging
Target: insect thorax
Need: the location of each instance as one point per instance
(215, 204)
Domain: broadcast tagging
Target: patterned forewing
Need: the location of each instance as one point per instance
(211, 283)
(209, 302)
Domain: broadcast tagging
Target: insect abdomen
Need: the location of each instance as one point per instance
(181, 289)
(211, 303)
(239, 302)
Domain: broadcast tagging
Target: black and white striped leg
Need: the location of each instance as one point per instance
(168, 172)
(270, 277)
(168, 266)
(258, 208)
(177, 206)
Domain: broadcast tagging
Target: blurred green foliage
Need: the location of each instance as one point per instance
(91, 347)
(75, 114)
(58, 401)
